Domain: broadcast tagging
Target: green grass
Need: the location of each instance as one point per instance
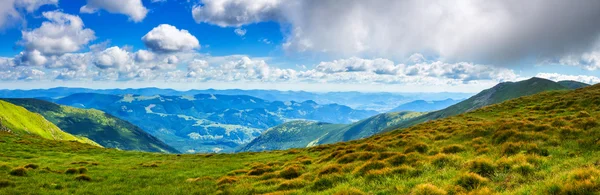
(104, 129)
(547, 143)
(20, 121)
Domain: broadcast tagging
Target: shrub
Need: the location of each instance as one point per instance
(19, 171)
(427, 189)
(291, 172)
(419, 147)
(83, 177)
(350, 191)
(454, 148)
(226, 180)
(471, 181)
(330, 169)
(483, 167)
(6, 183)
(372, 165)
(292, 184)
(71, 171)
(31, 166)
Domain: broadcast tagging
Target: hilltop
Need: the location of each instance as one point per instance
(545, 143)
(17, 120)
(102, 128)
(301, 134)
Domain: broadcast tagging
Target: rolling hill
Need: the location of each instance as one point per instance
(18, 120)
(301, 134)
(207, 122)
(546, 143)
(499, 93)
(102, 128)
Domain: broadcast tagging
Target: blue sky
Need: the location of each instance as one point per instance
(295, 45)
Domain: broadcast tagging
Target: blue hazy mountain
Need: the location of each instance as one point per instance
(381, 102)
(208, 122)
(425, 106)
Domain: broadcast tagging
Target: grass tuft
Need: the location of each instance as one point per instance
(427, 189)
(471, 181)
(32, 166)
(83, 177)
(19, 171)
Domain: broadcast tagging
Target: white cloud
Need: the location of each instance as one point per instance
(236, 12)
(113, 57)
(31, 58)
(166, 38)
(10, 9)
(132, 8)
(561, 77)
(588, 60)
(144, 56)
(494, 31)
(63, 33)
(240, 32)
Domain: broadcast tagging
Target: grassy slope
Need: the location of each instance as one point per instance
(300, 134)
(294, 134)
(541, 144)
(20, 121)
(105, 129)
(499, 93)
(573, 84)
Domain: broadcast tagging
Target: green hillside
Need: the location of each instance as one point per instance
(301, 134)
(294, 134)
(546, 143)
(18, 120)
(104, 129)
(572, 84)
(499, 93)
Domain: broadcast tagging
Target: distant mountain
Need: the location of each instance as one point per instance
(208, 122)
(102, 128)
(390, 121)
(380, 102)
(18, 120)
(573, 84)
(499, 93)
(300, 134)
(425, 106)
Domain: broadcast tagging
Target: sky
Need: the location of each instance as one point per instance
(311, 45)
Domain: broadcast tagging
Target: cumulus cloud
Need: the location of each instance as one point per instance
(10, 11)
(132, 8)
(484, 32)
(166, 39)
(63, 33)
(588, 60)
(144, 56)
(113, 57)
(562, 77)
(237, 12)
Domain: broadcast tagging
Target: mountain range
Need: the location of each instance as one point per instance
(425, 106)
(381, 101)
(279, 137)
(208, 122)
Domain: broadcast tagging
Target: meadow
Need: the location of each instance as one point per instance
(547, 143)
